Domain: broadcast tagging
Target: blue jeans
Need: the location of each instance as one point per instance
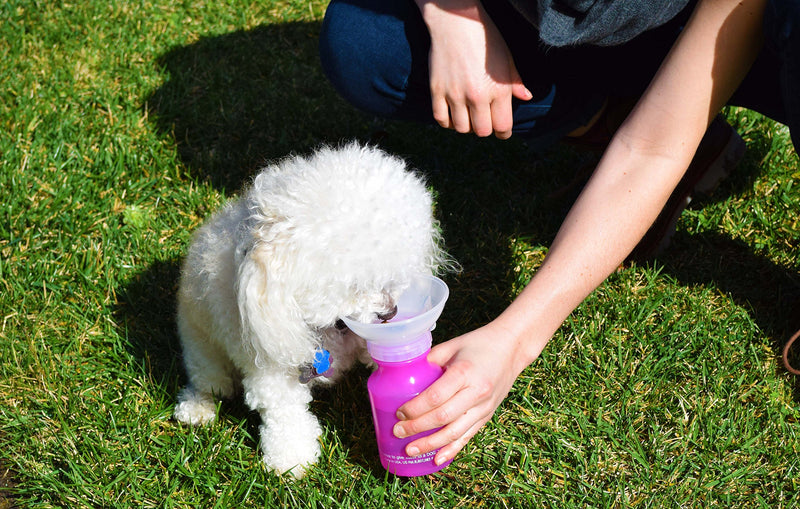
(375, 53)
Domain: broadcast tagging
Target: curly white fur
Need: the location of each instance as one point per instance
(339, 233)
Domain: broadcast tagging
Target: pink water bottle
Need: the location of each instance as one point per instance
(400, 376)
(400, 349)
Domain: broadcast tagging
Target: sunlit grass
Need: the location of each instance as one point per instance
(124, 124)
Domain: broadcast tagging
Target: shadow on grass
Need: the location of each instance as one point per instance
(8, 481)
(146, 310)
(235, 101)
(232, 103)
(770, 293)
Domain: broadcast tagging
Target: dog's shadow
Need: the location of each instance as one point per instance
(234, 101)
(145, 310)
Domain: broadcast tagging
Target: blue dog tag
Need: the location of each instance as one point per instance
(322, 361)
(321, 366)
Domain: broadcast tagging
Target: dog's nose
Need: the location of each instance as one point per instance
(340, 325)
(388, 315)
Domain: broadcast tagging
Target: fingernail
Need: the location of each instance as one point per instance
(438, 460)
(412, 451)
(398, 431)
(400, 416)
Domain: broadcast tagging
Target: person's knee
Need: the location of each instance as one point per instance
(366, 55)
(347, 55)
(338, 45)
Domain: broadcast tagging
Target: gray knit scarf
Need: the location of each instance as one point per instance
(598, 22)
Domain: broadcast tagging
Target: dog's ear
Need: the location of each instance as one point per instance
(272, 321)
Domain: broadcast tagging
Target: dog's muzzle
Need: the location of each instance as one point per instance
(385, 317)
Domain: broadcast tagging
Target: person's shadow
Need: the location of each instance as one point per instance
(768, 291)
(236, 101)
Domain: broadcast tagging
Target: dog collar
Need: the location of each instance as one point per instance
(321, 366)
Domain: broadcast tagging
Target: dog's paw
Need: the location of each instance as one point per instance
(296, 470)
(194, 409)
(293, 449)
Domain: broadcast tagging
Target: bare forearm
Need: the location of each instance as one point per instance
(601, 229)
(641, 167)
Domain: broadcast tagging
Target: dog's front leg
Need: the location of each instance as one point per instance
(289, 431)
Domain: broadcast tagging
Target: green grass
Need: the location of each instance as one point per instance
(123, 124)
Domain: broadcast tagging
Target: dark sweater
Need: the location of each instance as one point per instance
(598, 22)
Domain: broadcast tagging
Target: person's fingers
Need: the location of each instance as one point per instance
(451, 438)
(459, 116)
(441, 111)
(447, 386)
(439, 416)
(450, 450)
(502, 119)
(455, 418)
(520, 91)
(502, 111)
(481, 119)
(440, 354)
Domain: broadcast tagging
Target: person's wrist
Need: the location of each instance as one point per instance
(524, 347)
(433, 10)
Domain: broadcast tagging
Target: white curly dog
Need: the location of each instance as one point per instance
(265, 281)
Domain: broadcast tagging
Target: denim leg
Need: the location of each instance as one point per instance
(375, 54)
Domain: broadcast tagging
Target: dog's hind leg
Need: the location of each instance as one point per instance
(210, 375)
(289, 431)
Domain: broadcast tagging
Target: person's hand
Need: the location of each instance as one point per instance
(480, 368)
(472, 73)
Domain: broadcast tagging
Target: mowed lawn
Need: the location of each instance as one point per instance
(124, 124)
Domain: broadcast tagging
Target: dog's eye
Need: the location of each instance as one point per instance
(385, 317)
(340, 325)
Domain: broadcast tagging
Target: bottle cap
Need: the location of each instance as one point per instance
(400, 352)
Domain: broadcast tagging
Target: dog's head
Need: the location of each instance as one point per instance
(340, 233)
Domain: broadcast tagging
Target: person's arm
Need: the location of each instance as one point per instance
(472, 73)
(635, 177)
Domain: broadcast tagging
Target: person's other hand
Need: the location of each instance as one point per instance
(472, 73)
